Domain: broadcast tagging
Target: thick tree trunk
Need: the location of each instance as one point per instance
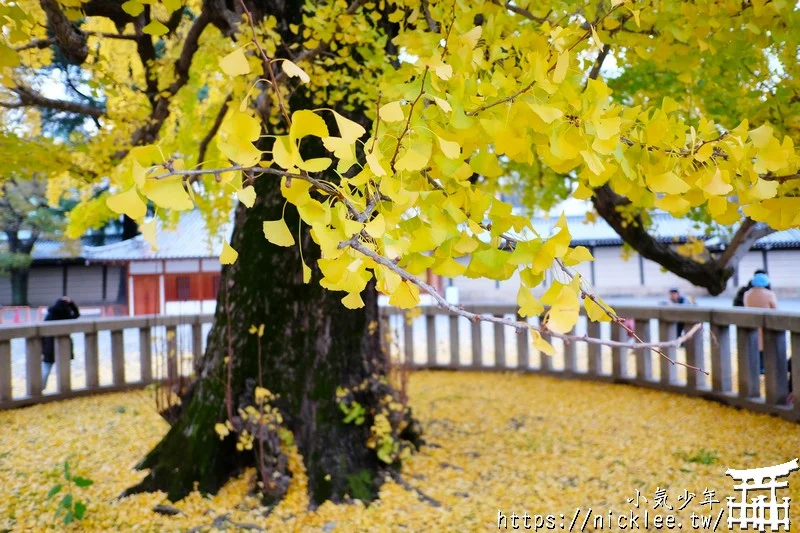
(19, 286)
(311, 346)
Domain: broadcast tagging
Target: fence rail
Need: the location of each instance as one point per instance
(25, 341)
(727, 347)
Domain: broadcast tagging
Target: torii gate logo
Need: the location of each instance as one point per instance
(760, 512)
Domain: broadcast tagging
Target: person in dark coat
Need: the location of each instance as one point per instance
(63, 309)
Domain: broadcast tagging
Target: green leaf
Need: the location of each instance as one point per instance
(80, 510)
(68, 518)
(55, 490)
(66, 501)
(66, 470)
(82, 481)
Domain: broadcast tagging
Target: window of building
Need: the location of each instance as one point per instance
(184, 288)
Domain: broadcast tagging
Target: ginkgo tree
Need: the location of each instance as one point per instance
(366, 143)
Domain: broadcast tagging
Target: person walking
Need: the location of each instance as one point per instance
(63, 309)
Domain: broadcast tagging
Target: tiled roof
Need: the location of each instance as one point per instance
(665, 228)
(190, 239)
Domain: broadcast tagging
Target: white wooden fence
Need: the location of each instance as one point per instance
(727, 348)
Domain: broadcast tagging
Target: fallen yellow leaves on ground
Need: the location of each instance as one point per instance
(495, 442)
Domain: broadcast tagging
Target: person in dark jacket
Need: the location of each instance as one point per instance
(63, 309)
(738, 300)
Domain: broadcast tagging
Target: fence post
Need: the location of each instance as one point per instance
(146, 353)
(775, 367)
(644, 358)
(477, 349)
(619, 355)
(91, 361)
(63, 354)
(546, 360)
(523, 352)
(408, 340)
(117, 357)
(5, 371)
(570, 355)
(33, 366)
(430, 329)
(695, 356)
(747, 358)
(172, 353)
(499, 344)
(594, 364)
(455, 342)
(721, 358)
(668, 331)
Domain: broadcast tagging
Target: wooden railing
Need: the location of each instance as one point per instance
(18, 342)
(726, 348)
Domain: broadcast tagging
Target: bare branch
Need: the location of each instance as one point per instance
(744, 238)
(201, 155)
(30, 98)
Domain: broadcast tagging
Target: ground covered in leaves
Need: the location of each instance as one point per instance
(497, 442)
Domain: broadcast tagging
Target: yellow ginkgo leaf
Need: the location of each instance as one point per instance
(376, 227)
(562, 64)
(293, 71)
(540, 344)
(576, 255)
(148, 230)
(247, 195)
(133, 8)
(391, 112)
(443, 104)
(235, 63)
(546, 112)
(666, 182)
(315, 165)
(449, 148)
(305, 122)
(168, 193)
(353, 301)
(127, 203)
(306, 273)
(277, 232)
(405, 296)
(528, 304)
(348, 129)
(594, 311)
(228, 255)
(155, 28)
(375, 164)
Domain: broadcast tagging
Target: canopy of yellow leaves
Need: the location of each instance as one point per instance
(479, 87)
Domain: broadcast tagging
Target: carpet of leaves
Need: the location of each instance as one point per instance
(495, 442)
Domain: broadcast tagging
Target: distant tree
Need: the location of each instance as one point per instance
(25, 216)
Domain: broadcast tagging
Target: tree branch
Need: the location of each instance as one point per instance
(70, 39)
(29, 98)
(710, 275)
(201, 154)
(744, 238)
